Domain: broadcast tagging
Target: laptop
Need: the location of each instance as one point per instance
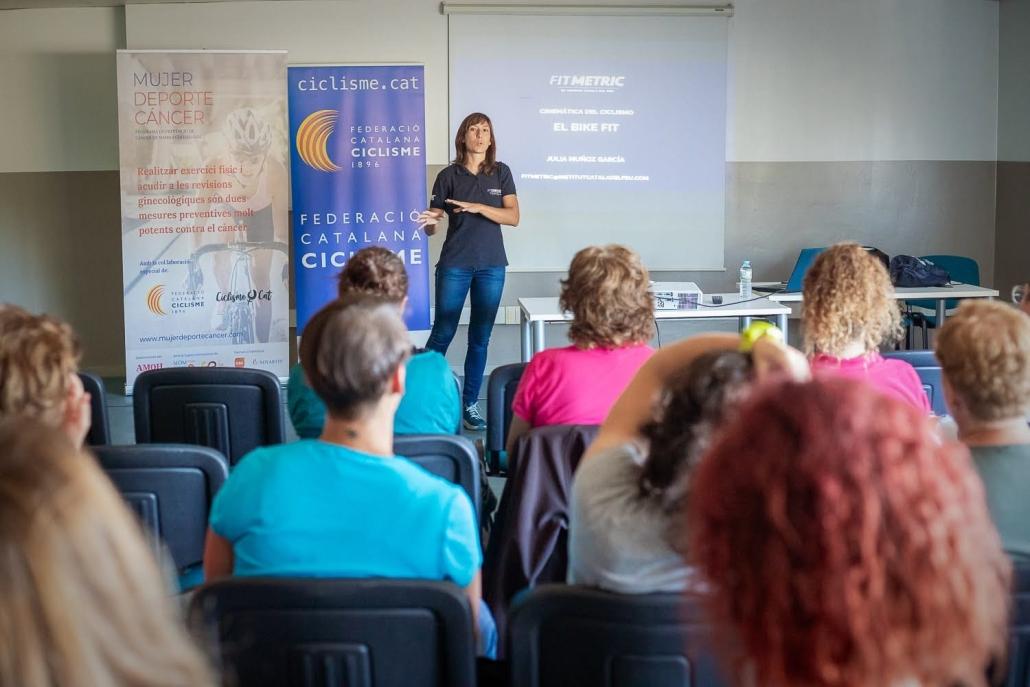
(797, 278)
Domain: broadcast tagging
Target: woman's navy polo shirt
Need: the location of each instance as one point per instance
(472, 239)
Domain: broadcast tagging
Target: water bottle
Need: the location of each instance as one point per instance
(745, 280)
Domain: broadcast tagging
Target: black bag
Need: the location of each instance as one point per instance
(907, 270)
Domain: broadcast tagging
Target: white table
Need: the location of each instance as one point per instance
(934, 293)
(537, 312)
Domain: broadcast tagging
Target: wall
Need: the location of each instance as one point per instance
(1013, 227)
(875, 120)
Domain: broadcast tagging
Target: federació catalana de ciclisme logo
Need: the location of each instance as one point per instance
(162, 302)
(154, 299)
(313, 139)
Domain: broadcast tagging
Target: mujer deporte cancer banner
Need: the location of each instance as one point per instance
(358, 176)
(202, 146)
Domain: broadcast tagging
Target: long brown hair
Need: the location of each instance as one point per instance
(489, 164)
(82, 599)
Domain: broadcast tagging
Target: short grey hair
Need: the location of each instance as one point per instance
(349, 351)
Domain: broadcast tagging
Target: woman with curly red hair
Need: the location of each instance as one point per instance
(608, 293)
(849, 312)
(846, 545)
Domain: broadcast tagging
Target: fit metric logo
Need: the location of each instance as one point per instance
(154, 299)
(313, 138)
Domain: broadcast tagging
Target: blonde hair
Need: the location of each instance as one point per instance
(608, 293)
(38, 355)
(847, 297)
(82, 599)
(984, 351)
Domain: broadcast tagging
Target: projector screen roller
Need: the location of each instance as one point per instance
(614, 129)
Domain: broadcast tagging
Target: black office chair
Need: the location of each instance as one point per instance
(929, 371)
(1021, 578)
(500, 394)
(232, 410)
(170, 487)
(359, 633)
(451, 457)
(1018, 659)
(571, 636)
(100, 426)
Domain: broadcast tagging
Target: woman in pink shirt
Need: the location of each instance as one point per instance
(613, 319)
(849, 313)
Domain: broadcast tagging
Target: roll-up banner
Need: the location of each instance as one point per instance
(203, 143)
(358, 176)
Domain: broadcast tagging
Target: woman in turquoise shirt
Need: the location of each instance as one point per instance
(342, 505)
(430, 404)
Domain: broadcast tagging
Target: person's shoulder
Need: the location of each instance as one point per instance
(296, 376)
(503, 170)
(266, 455)
(550, 358)
(428, 360)
(1009, 452)
(613, 458)
(265, 464)
(897, 368)
(636, 351)
(615, 469)
(423, 483)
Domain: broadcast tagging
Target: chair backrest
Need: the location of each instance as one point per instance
(170, 487)
(232, 410)
(529, 541)
(1019, 643)
(571, 636)
(1021, 577)
(100, 426)
(959, 268)
(452, 457)
(929, 371)
(500, 393)
(321, 632)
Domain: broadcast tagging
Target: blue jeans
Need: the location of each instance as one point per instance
(484, 285)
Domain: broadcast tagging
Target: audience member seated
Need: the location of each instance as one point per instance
(984, 351)
(608, 294)
(431, 404)
(846, 545)
(343, 505)
(630, 488)
(83, 601)
(39, 360)
(848, 313)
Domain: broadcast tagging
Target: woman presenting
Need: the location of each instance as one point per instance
(477, 193)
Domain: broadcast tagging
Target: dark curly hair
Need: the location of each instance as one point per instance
(693, 404)
(845, 544)
(374, 271)
(608, 293)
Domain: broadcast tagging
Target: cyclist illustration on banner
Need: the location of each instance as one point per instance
(249, 254)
